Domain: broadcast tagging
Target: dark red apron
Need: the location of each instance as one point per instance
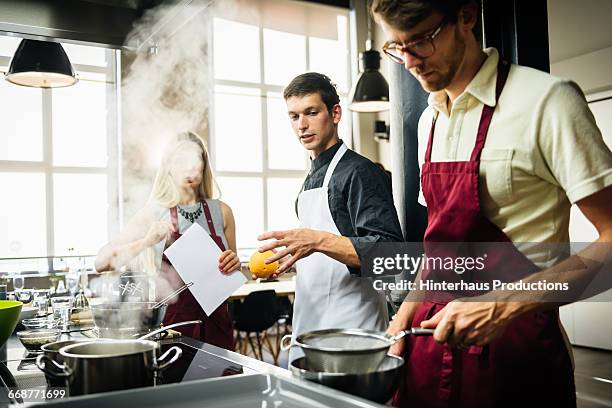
(530, 364)
(215, 329)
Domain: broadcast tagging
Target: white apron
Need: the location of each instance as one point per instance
(327, 296)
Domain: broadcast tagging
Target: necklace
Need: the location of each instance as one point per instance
(191, 215)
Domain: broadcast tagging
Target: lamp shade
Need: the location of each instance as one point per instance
(41, 64)
(371, 93)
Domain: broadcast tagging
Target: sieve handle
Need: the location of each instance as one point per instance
(285, 343)
(418, 331)
(415, 331)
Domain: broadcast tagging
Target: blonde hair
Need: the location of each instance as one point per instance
(165, 192)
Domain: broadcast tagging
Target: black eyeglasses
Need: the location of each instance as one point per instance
(421, 48)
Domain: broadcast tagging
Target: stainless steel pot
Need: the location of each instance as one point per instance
(376, 386)
(108, 365)
(347, 350)
(126, 319)
(51, 351)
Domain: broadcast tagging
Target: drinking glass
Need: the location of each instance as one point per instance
(42, 304)
(61, 306)
(24, 295)
(72, 281)
(18, 283)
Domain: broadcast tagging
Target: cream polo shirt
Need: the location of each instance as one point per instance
(543, 150)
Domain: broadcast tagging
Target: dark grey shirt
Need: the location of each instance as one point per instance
(360, 199)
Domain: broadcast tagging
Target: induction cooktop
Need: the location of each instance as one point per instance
(194, 364)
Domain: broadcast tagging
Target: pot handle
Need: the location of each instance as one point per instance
(59, 371)
(177, 353)
(285, 343)
(165, 328)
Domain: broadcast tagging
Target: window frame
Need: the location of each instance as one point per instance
(264, 90)
(112, 170)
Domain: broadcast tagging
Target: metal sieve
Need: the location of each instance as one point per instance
(353, 351)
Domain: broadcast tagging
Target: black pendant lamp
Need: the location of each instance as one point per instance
(371, 93)
(41, 64)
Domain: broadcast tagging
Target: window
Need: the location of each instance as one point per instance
(259, 163)
(58, 158)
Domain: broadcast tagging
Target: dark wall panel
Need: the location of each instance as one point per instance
(519, 30)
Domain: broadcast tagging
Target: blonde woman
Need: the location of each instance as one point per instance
(182, 195)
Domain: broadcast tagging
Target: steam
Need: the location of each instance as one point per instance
(165, 89)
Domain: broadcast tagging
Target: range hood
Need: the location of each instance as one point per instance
(92, 22)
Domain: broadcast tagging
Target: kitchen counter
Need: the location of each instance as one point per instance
(258, 384)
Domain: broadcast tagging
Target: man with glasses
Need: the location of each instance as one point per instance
(504, 151)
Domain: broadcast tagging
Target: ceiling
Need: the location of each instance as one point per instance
(131, 4)
(145, 4)
(577, 27)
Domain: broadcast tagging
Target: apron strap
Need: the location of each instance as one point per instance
(503, 68)
(430, 139)
(211, 226)
(333, 164)
(209, 221)
(175, 235)
(174, 221)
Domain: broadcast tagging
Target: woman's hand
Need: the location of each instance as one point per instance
(229, 262)
(158, 231)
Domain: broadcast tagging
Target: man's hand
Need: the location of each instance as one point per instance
(395, 326)
(466, 323)
(297, 243)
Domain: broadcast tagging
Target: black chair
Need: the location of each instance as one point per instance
(285, 319)
(254, 316)
(285, 308)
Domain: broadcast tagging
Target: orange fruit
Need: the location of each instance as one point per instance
(259, 268)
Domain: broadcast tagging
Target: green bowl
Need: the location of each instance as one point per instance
(9, 316)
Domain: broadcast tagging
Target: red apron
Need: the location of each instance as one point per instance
(215, 329)
(530, 364)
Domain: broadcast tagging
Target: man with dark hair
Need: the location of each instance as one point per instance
(345, 205)
(312, 83)
(504, 152)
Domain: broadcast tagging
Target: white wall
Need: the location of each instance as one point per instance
(587, 323)
(592, 71)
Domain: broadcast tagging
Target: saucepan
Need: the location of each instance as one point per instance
(107, 365)
(126, 319)
(379, 385)
(51, 351)
(90, 366)
(348, 351)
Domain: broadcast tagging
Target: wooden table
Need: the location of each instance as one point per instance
(282, 287)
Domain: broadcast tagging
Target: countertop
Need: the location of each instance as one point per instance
(261, 383)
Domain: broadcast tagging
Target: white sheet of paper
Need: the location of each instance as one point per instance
(195, 256)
